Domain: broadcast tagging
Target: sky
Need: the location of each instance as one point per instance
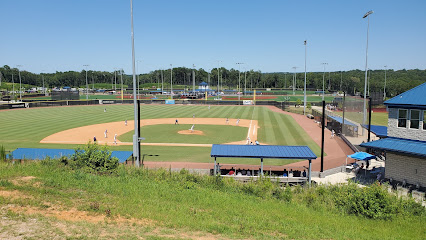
(266, 35)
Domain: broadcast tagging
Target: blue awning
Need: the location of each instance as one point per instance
(380, 131)
(42, 153)
(400, 145)
(262, 151)
(361, 156)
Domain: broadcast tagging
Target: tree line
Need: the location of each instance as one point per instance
(350, 81)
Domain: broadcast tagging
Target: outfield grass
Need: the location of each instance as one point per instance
(179, 203)
(377, 118)
(26, 127)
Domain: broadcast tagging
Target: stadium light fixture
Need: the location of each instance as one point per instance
(366, 69)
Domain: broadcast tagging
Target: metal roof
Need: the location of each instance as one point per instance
(400, 145)
(340, 120)
(42, 153)
(262, 151)
(415, 97)
(380, 131)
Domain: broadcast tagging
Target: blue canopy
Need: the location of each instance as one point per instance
(361, 156)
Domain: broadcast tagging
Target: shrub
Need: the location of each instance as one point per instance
(2, 153)
(92, 158)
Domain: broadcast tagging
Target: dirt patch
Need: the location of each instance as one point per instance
(74, 215)
(82, 135)
(191, 132)
(13, 195)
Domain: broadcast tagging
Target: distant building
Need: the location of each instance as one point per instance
(405, 146)
(203, 86)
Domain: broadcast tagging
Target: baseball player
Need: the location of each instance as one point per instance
(106, 133)
(115, 139)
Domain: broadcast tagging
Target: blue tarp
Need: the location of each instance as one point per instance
(262, 151)
(361, 156)
(400, 145)
(42, 153)
(380, 131)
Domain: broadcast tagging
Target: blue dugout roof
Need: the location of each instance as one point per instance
(42, 153)
(340, 120)
(400, 145)
(414, 97)
(380, 131)
(262, 151)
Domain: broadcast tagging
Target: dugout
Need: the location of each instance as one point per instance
(261, 152)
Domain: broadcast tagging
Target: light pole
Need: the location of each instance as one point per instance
(162, 82)
(304, 104)
(239, 79)
(122, 90)
(42, 79)
(136, 147)
(20, 82)
(323, 81)
(367, 15)
(294, 80)
(384, 89)
(115, 79)
(87, 84)
(171, 81)
(218, 77)
(193, 79)
(137, 72)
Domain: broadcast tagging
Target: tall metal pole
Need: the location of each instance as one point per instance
(369, 117)
(294, 81)
(162, 82)
(122, 90)
(20, 83)
(239, 79)
(366, 69)
(384, 89)
(13, 88)
(323, 81)
(245, 81)
(171, 81)
(42, 78)
(87, 84)
(322, 135)
(304, 104)
(136, 122)
(193, 78)
(218, 77)
(115, 78)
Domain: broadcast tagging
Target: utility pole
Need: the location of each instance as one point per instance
(239, 79)
(42, 79)
(341, 80)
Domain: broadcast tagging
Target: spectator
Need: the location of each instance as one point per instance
(285, 173)
(304, 173)
(248, 172)
(231, 172)
(244, 172)
(290, 174)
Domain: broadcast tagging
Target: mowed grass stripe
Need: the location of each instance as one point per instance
(269, 128)
(278, 129)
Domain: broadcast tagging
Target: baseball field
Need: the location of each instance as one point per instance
(66, 127)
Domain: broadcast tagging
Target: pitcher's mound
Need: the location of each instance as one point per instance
(193, 132)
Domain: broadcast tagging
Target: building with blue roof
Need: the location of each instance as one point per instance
(203, 86)
(405, 145)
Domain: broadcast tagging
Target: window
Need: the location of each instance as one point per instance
(415, 119)
(402, 118)
(424, 120)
